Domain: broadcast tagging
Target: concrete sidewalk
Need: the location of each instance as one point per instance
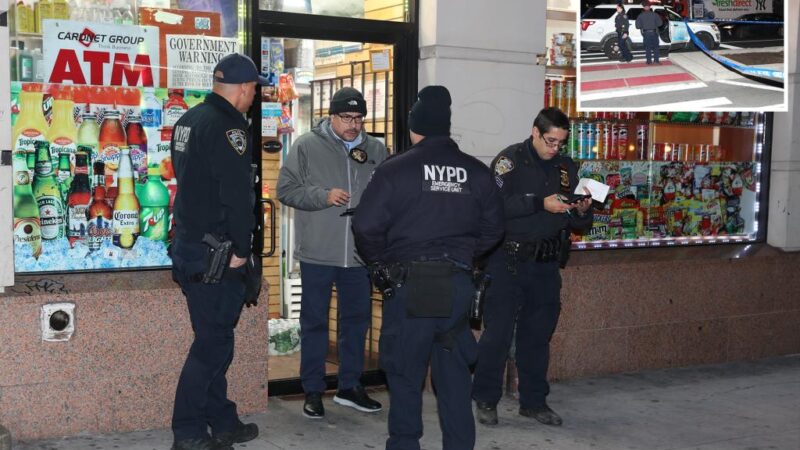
(749, 405)
(706, 69)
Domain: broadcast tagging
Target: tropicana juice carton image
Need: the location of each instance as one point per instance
(31, 125)
(63, 134)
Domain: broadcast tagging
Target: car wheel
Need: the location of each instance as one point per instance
(611, 48)
(707, 40)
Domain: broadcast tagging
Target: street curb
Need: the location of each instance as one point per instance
(706, 69)
(5, 438)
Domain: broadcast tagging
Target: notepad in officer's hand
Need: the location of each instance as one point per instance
(598, 190)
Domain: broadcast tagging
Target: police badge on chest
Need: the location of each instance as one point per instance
(564, 179)
(358, 155)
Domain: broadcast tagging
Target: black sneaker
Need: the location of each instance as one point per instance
(486, 413)
(199, 444)
(357, 398)
(313, 408)
(242, 433)
(543, 414)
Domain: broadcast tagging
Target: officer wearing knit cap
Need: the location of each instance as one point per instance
(322, 178)
(424, 218)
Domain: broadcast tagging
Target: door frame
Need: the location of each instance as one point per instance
(404, 36)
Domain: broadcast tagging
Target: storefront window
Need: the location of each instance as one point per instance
(391, 10)
(96, 88)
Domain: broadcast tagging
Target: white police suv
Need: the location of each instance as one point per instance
(598, 32)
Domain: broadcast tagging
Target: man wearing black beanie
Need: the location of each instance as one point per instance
(323, 177)
(424, 218)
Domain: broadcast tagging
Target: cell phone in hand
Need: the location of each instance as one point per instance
(575, 198)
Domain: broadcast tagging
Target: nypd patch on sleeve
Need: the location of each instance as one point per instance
(238, 140)
(503, 166)
(445, 179)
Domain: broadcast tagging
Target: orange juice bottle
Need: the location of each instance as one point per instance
(31, 125)
(63, 134)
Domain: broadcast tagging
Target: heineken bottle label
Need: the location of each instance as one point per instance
(154, 224)
(98, 230)
(51, 214)
(27, 230)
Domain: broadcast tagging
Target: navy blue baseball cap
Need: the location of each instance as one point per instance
(237, 69)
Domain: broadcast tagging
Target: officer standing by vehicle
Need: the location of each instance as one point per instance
(622, 25)
(323, 177)
(425, 215)
(649, 22)
(537, 186)
(212, 157)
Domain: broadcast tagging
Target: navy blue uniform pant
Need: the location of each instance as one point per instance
(407, 346)
(651, 49)
(353, 304)
(623, 48)
(201, 398)
(531, 299)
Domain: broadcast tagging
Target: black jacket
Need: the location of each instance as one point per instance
(432, 201)
(621, 23)
(211, 154)
(525, 180)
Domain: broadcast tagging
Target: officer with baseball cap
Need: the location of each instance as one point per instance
(212, 156)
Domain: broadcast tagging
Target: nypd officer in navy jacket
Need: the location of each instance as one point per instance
(426, 214)
(537, 185)
(212, 154)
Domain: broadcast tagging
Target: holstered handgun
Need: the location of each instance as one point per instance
(219, 257)
(481, 280)
(385, 280)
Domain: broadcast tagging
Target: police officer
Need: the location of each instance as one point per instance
(649, 22)
(622, 26)
(425, 215)
(211, 155)
(537, 186)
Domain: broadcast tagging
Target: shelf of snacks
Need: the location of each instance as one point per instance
(674, 178)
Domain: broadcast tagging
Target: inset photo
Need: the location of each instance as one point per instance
(682, 55)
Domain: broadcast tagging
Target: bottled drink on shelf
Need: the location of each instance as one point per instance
(137, 143)
(78, 200)
(110, 140)
(154, 200)
(622, 143)
(88, 133)
(52, 213)
(31, 126)
(174, 107)
(126, 205)
(99, 215)
(63, 134)
(64, 174)
(27, 226)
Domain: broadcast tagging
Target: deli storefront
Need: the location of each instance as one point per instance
(673, 272)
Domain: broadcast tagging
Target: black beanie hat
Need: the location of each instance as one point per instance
(348, 99)
(430, 115)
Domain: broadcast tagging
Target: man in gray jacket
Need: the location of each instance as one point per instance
(649, 22)
(323, 177)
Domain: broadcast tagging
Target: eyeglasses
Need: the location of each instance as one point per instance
(553, 143)
(350, 119)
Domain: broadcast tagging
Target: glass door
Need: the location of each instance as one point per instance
(308, 56)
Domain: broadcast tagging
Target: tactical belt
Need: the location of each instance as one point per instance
(539, 250)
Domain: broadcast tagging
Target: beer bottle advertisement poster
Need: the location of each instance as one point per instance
(93, 180)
